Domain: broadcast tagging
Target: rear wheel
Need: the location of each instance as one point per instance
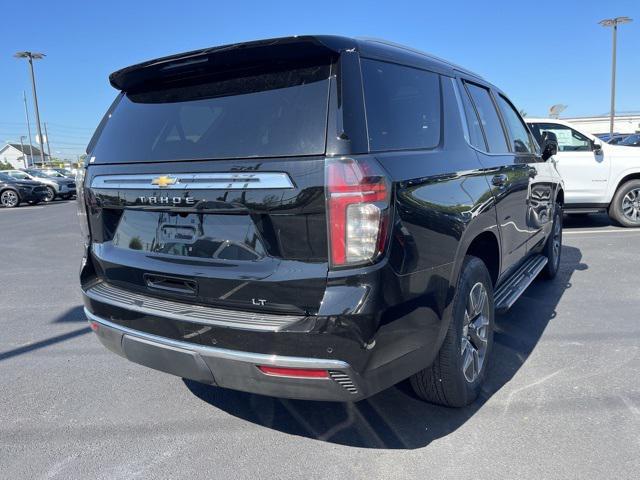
(9, 199)
(51, 195)
(553, 247)
(455, 378)
(625, 206)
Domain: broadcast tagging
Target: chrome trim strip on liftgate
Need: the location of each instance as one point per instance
(236, 355)
(194, 181)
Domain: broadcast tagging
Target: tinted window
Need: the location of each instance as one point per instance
(263, 114)
(403, 106)
(476, 137)
(521, 142)
(631, 140)
(21, 175)
(569, 140)
(489, 118)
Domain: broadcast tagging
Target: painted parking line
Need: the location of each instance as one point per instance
(608, 230)
(20, 209)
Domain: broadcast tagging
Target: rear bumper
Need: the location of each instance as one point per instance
(231, 368)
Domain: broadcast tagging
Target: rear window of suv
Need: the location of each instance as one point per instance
(265, 114)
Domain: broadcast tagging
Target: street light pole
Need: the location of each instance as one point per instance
(613, 22)
(26, 114)
(37, 56)
(24, 155)
(46, 134)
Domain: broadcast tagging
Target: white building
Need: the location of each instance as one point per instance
(13, 154)
(626, 123)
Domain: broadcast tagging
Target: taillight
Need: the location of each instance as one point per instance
(358, 209)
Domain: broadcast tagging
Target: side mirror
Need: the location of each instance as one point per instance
(549, 145)
(596, 147)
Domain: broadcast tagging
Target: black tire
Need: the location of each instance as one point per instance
(51, 195)
(445, 382)
(625, 206)
(553, 247)
(9, 198)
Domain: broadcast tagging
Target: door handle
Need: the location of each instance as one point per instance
(499, 180)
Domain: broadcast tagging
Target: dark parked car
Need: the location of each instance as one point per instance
(63, 186)
(14, 191)
(631, 141)
(617, 139)
(65, 172)
(313, 217)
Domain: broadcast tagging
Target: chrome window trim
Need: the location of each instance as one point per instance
(196, 181)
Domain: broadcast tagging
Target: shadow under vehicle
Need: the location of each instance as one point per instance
(395, 418)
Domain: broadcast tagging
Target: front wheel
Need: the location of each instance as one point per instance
(625, 206)
(553, 247)
(51, 195)
(456, 375)
(9, 199)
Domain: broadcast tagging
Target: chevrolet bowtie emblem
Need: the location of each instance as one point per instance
(164, 181)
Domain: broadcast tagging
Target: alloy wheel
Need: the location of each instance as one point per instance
(9, 199)
(51, 194)
(475, 332)
(631, 205)
(557, 239)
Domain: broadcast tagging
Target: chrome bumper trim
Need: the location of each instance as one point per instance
(223, 353)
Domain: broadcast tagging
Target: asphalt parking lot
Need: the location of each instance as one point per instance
(562, 398)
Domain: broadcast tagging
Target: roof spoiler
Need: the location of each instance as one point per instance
(198, 63)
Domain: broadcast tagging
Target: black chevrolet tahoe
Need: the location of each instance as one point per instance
(313, 217)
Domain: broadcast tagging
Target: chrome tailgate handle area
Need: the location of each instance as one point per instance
(171, 284)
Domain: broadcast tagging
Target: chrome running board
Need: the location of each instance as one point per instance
(511, 289)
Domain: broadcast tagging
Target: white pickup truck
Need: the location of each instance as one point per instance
(597, 176)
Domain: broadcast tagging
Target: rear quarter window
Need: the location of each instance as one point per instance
(402, 105)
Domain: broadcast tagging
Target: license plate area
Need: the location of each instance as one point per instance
(211, 236)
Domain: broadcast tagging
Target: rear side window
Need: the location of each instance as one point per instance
(489, 118)
(517, 131)
(476, 137)
(403, 106)
(255, 114)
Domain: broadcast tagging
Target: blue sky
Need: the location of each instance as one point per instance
(540, 52)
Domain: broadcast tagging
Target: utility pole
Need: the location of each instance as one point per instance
(37, 56)
(46, 134)
(24, 155)
(613, 22)
(26, 113)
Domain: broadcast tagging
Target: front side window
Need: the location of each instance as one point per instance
(569, 140)
(521, 142)
(489, 118)
(403, 106)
